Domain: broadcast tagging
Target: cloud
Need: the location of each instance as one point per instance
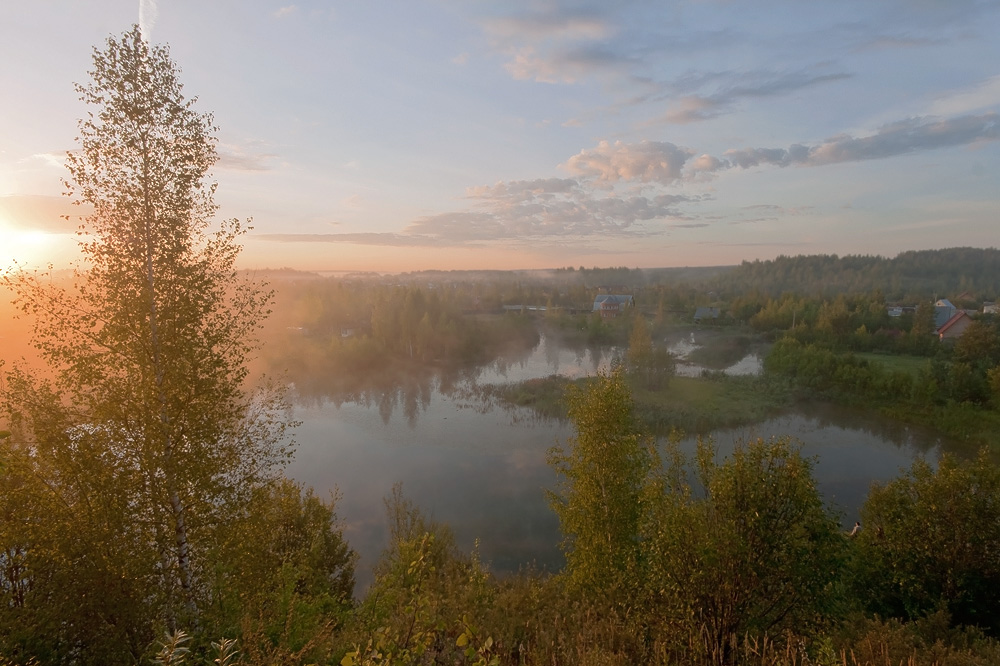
(896, 42)
(284, 12)
(354, 201)
(710, 94)
(547, 208)
(706, 163)
(523, 190)
(596, 202)
(527, 211)
(51, 159)
(767, 213)
(552, 24)
(693, 109)
(560, 65)
(898, 138)
(555, 45)
(382, 239)
(646, 162)
(239, 158)
(986, 94)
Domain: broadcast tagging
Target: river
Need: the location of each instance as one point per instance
(483, 472)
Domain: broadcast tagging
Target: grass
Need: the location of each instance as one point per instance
(896, 362)
(701, 404)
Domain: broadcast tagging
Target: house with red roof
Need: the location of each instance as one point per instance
(955, 326)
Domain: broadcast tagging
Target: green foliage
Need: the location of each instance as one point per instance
(130, 455)
(602, 474)
(929, 641)
(931, 540)
(910, 274)
(285, 575)
(650, 365)
(979, 345)
(420, 606)
(173, 649)
(754, 552)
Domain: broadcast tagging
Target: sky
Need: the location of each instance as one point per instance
(519, 134)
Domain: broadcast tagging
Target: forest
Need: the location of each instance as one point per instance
(147, 517)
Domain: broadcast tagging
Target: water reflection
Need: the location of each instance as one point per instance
(482, 470)
(852, 449)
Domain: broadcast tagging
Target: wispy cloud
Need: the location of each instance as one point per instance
(711, 94)
(553, 45)
(383, 239)
(354, 201)
(982, 96)
(51, 159)
(245, 158)
(899, 138)
(285, 12)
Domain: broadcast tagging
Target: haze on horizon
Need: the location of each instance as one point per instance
(533, 134)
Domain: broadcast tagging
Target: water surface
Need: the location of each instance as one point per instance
(483, 472)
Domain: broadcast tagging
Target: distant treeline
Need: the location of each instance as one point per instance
(909, 276)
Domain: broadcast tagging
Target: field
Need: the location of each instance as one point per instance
(896, 362)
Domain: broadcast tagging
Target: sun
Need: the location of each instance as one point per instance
(28, 247)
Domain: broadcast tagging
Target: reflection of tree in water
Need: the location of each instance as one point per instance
(511, 357)
(388, 384)
(552, 349)
(413, 395)
(354, 370)
(899, 433)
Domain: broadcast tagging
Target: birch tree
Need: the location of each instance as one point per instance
(601, 479)
(147, 350)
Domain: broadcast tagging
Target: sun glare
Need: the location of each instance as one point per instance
(28, 248)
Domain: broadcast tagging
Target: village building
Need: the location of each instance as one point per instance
(705, 314)
(955, 326)
(612, 305)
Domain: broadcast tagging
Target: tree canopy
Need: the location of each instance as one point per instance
(141, 441)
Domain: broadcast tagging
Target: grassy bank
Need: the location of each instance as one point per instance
(692, 404)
